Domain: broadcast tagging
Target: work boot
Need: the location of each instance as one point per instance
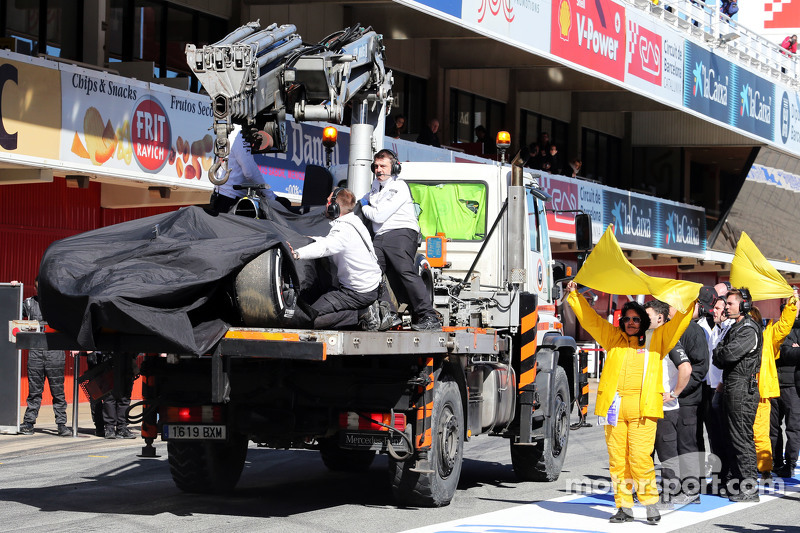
(111, 433)
(64, 431)
(766, 475)
(623, 515)
(653, 516)
(125, 433)
(26, 428)
(389, 319)
(370, 319)
(684, 499)
(787, 470)
(429, 323)
(746, 497)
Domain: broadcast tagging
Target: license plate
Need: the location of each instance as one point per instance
(368, 441)
(193, 432)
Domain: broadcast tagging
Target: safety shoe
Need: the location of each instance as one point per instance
(370, 319)
(653, 516)
(766, 475)
(623, 515)
(389, 319)
(744, 497)
(111, 433)
(429, 323)
(787, 470)
(125, 433)
(64, 431)
(665, 504)
(26, 429)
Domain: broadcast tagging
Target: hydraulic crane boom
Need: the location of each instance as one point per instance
(256, 76)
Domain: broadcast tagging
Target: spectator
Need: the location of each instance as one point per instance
(552, 162)
(575, 168)
(768, 387)
(428, 135)
(535, 159)
(790, 44)
(396, 126)
(482, 137)
(633, 386)
(786, 407)
(676, 370)
(355, 300)
(739, 356)
(729, 7)
(544, 141)
(243, 169)
(43, 364)
(390, 207)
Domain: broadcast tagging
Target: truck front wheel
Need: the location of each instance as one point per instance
(436, 487)
(207, 466)
(543, 460)
(344, 460)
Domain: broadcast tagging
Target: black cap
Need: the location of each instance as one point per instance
(706, 299)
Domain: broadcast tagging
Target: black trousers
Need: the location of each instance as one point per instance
(714, 419)
(785, 410)
(339, 308)
(740, 413)
(46, 364)
(667, 449)
(397, 250)
(688, 449)
(723, 448)
(114, 412)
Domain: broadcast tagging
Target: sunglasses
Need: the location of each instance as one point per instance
(635, 319)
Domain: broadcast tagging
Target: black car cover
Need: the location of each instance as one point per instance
(165, 275)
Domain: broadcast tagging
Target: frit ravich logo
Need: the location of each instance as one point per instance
(494, 7)
(564, 19)
(698, 80)
(744, 110)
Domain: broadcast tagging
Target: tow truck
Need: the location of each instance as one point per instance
(500, 366)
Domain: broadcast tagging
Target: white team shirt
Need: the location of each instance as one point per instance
(349, 246)
(390, 206)
(243, 167)
(713, 337)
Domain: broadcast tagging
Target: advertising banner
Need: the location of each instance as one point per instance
(633, 218)
(682, 228)
(30, 115)
(591, 34)
(787, 120)
(113, 123)
(708, 83)
(653, 58)
(755, 104)
(526, 22)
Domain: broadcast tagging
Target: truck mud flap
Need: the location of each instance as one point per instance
(582, 398)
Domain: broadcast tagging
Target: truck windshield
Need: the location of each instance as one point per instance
(456, 209)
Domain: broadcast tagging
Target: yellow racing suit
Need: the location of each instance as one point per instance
(635, 373)
(768, 386)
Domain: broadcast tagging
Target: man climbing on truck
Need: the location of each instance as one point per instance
(390, 207)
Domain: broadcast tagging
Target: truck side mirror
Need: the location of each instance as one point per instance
(583, 231)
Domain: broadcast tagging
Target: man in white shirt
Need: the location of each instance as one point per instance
(243, 169)
(391, 209)
(349, 247)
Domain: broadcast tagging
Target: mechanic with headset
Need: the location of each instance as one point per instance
(391, 209)
(349, 246)
(739, 357)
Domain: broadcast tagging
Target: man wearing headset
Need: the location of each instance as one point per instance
(739, 357)
(350, 248)
(391, 209)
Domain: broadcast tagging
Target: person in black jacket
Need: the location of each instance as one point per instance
(429, 134)
(694, 344)
(739, 357)
(786, 408)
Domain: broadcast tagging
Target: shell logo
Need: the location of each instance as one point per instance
(564, 19)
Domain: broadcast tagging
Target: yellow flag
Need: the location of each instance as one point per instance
(751, 269)
(606, 269)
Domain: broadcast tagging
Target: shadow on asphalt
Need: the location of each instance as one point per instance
(274, 483)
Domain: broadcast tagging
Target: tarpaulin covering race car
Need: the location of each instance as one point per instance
(183, 276)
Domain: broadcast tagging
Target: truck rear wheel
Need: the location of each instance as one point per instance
(259, 290)
(435, 488)
(207, 466)
(344, 460)
(543, 460)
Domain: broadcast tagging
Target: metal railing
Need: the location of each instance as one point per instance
(719, 31)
